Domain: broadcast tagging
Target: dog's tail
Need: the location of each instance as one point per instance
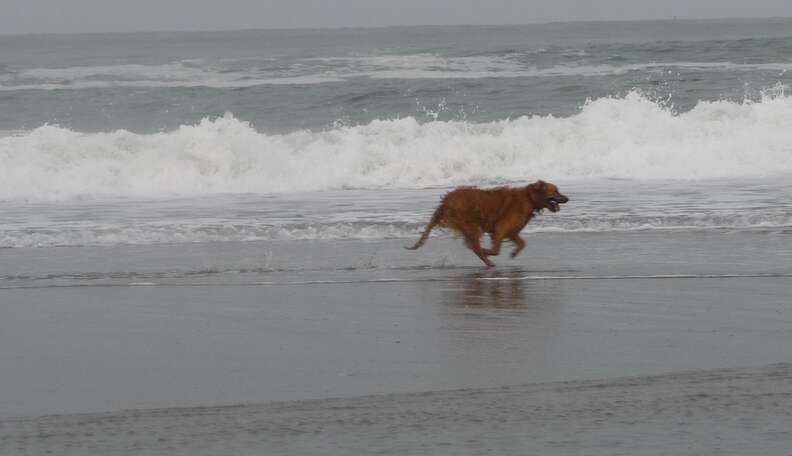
(438, 214)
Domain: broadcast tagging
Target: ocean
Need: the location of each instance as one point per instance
(152, 138)
(214, 218)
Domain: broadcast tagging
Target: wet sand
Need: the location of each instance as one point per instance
(142, 328)
(723, 412)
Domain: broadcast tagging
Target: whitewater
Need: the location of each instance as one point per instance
(629, 137)
(631, 163)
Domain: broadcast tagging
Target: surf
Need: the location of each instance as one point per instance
(629, 137)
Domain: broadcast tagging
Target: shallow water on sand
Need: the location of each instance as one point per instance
(597, 206)
(106, 328)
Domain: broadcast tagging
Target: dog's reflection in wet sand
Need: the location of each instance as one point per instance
(482, 289)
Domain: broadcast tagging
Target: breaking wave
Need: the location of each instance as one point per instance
(615, 137)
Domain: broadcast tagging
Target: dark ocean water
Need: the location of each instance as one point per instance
(285, 80)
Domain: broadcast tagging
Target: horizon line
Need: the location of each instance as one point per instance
(375, 27)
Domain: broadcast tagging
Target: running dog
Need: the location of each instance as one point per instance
(501, 212)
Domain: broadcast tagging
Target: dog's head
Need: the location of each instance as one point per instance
(546, 196)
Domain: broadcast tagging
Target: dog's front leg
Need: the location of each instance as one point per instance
(497, 240)
(515, 237)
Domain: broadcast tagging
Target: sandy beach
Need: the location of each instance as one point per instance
(576, 308)
(723, 411)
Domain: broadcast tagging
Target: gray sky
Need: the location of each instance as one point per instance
(56, 16)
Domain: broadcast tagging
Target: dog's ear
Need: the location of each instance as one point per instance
(536, 191)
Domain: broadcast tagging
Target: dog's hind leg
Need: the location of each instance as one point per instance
(494, 249)
(472, 240)
(498, 236)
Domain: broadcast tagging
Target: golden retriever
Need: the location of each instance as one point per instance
(500, 212)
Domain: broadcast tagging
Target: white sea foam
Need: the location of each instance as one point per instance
(470, 68)
(130, 232)
(171, 71)
(628, 137)
(197, 73)
(175, 74)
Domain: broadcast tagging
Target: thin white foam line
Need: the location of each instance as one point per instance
(333, 282)
(395, 73)
(408, 280)
(642, 277)
(538, 278)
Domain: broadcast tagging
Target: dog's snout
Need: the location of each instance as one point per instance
(562, 199)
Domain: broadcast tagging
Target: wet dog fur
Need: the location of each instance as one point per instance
(501, 212)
